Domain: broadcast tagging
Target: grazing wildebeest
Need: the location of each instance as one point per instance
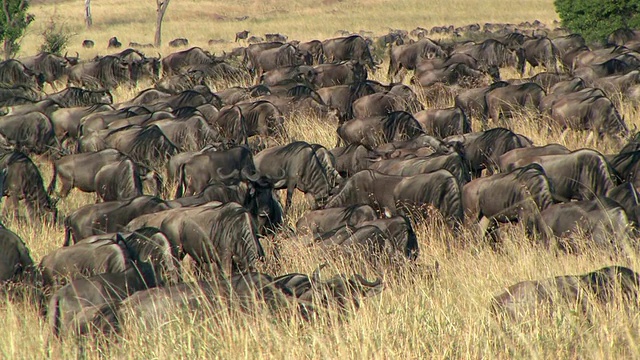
(513, 99)
(172, 63)
(30, 133)
(452, 162)
(490, 52)
(22, 181)
(483, 149)
(442, 123)
(381, 239)
(88, 44)
(602, 220)
(597, 114)
(298, 165)
(52, 67)
(531, 298)
(322, 221)
(111, 216)
(313, 48)
(410, 196)
(399, 97)
(353, 47)
(580, 175)
(377, 130)
(408, 56)
(17, 95)
(73, 96)
(16, 264)
(628, 197)
(352, 159)
(517, 196)
(178, 42)
(507, 161)
(343, 73)
(473, 101)
(123, 181)
(66, 121)
(539, 51)
(458, 75)
(13, 72)
(294, 73)
(284, 55)
(108, 72)
(627, 166)
(341, 97)
(114, 43)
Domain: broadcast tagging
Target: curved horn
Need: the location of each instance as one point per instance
(366, 282)
(233, 174)
(65, 54)
(159, 56)
(316, 273)
(251, 177)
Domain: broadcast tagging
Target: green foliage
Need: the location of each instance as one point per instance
(55, 38)
(14, 20)
(595, 19)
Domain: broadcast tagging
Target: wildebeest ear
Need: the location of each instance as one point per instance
(280, 183)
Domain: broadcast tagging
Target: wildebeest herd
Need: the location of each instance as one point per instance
(395, 165)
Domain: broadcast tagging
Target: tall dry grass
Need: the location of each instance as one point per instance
(417, 315)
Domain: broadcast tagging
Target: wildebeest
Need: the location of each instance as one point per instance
(52, 67)
(313, 48)
(597, 114)
(17, 94)
(111, 216)
(516, 196)
(373, 131)
(627, 166)
(483, 149)
(507, 160)
(490, 52)
(73, 96)
(108, 72)
(88, 44)
(530, 298)
(66, 121)
(343, 73)
(242, 35)
(172, 63)
(16, 264)
(123, 181)
(114, 43)
(442, 123)
(353, 47)
(403, 195)
(580, 175)
(351, 159)
(341, 97)
(178, 42)
(603, 220)
(22, 181)
(473, 101)
(539, 51)
(13, 72)
(408, 56)
(301, 166)
(453, 162)
(513, 99)
(284, 55)
(399, 97)
(322, 221)
(30, 133)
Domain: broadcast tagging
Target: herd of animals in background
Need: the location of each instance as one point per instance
(227, 151)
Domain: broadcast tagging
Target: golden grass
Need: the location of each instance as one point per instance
(416, 316)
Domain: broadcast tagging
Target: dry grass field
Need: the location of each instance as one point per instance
(417, 315)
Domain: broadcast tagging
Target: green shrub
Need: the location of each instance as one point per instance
(595, 19)
(55, 38)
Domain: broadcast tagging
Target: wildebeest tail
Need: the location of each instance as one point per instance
(182, 182)
(54, 177)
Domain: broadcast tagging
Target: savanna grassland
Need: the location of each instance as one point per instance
(418, 315)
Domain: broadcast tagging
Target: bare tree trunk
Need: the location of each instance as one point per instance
(87, 13)
(162, 7)
(7, 48)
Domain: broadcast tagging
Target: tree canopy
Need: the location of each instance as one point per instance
(595, 19)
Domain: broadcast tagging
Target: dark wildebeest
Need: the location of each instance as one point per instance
(172, 63)
(304, 167)
(442, 123)
(178, 42)
(622, 36)
(628, 197)
(242, 35)
(111, 216)
(140, 66)
(188, 134)
(398, 98)
(539, 51)
(483, 149)
(377, 130)
(66, 121)
(490, 52)
(421, 145)
(30, 133)
(473, 101)
(353, 47)
(16, 264)
(602, 219)
(123, 181)
(21, 180)
(17, 95)
(511, 100)
(211, 166)
(114, 43)
(296, 73)
(531, 298)
(452, 162)
(52, 67)
(313, 48)
(320, 222)
(381, 240)
(275, 37)
(507, 161)
(352, 159)
(597, 114)
(457, 75)
(270, 59)
(88, 44)
(73, 96)
(108, 72)
(341, 97)
(404, 195)
(13, 72)
(408, 56)
(343, 73)
(580, 175)
(627, 166)
(517, 196)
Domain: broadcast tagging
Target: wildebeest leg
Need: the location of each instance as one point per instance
(66, 187)
(287, 203)
(11, 205)
(490, 227)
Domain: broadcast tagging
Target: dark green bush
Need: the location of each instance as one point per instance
(55, 37)
(595, 19)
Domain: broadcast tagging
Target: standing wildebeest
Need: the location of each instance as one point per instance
(627, 166)
(405, 195)
(408, 56)
(242, 35)
(341, 97)
(377, 130)
(507, 160)
(15, 260)
(473, 101)
(304, 169)
(29, 133)
(319, 222)
(178, 42)
(602, 219)
(453, 162)
(73, 96)
(513, 99)
(13, 72)
(597, 114)
(66, 121)
(17, 94)
(343, 73)
(108, 216)
(123, 181)
(531, 298)
(490, 52)
(172, 63)
(270, 59)
(580, 175)
(114, 43)
(517, 196)
(351, 159)
(539, 51)
(52, 67)
(88, 44)
(313, 48)
(483, 149)
(443, 123)
(353, 47)
(22, 181)
(399, 97)
(108, 72)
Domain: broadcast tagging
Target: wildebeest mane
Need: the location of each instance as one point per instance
(536, 183)
(401, 122)
(151, 147)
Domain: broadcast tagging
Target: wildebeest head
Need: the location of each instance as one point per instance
(71, 60)
(341, 290)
